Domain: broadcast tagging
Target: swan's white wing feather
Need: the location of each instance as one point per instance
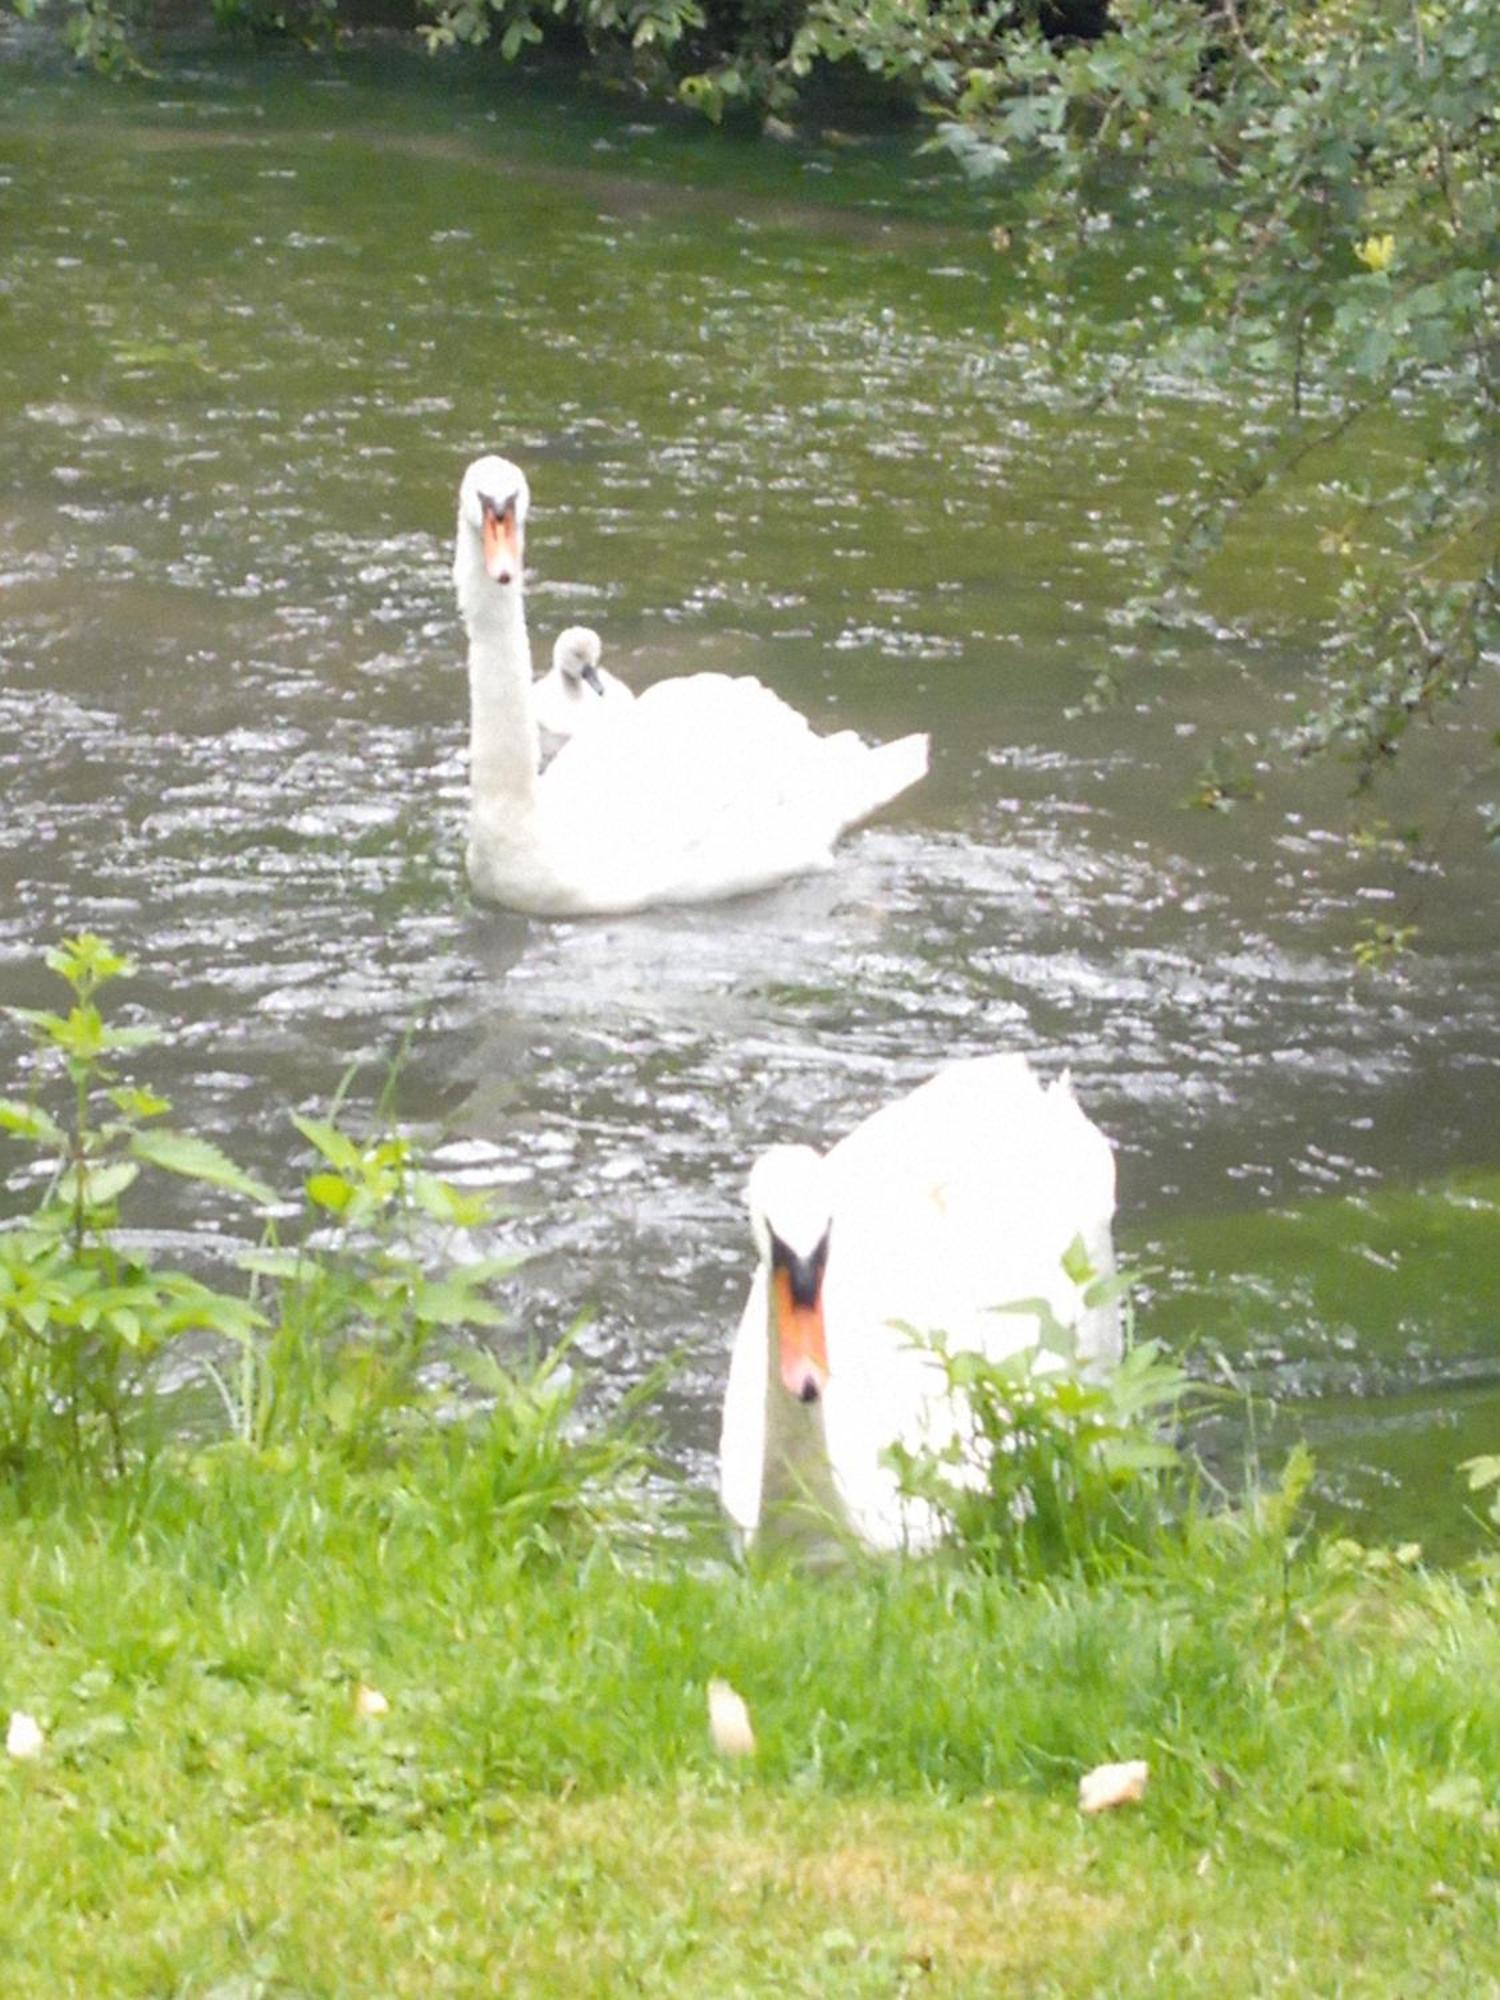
(711, 784)
(742, 1433)
(964, 1196)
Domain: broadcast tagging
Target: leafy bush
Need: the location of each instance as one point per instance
(1055, 1468)
(310, 22)
(1328, 176)
(81, 1319)
(350, 1312)
(349, 1343)
(102, 33)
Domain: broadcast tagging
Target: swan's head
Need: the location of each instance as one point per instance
(791, 1216)
(575, 655)
(492, 504)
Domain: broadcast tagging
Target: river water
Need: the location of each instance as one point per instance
(254, 320)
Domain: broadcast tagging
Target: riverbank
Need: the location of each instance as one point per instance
(315, 1731)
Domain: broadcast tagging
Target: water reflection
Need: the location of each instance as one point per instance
(764, 435)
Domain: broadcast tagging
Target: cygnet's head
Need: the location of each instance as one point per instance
(791, 1215)
(492, 504)
(575, 655)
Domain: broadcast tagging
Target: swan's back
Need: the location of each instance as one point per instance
(963, 1197)
(967, 1195)
(711, 785)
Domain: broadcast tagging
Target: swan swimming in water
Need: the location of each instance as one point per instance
(961, 1197)
(578, 693)
(706, 786)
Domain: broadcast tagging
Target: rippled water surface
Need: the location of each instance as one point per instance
(256, 320)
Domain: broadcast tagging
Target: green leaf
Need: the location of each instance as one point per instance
(484, 1269)
(29, 1121)
(198, 1160)
(272, 1263)
(464, 1208)
(41, 1021)
(454, 1302)
(136, 1103)
(329, 1192)
(99, 1185)
(1077, 1263)
(195, 1307)
(339, 1151)
(1107, 1290)
(484, 1370)
(87, 961)
(126, 1324)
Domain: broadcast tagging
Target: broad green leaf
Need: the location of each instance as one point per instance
(86, 960)
(339, 1151)
(41, 1020)
(129, 1038)
(272, 1263)
(99, 1186)
(453, 1302)
(198, 1160)
(30, 1121)
(191, 1306)
(464, 1208)
(126, 1324)
(485, 1371)
(1105, 1291)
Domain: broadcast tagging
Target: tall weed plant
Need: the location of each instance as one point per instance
(1056, 1466)
(83, 1319)
(350, 1338)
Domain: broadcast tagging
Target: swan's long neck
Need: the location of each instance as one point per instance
(800, 1507)
(503, 746)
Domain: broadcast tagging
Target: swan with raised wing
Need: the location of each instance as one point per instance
(704, 787)
(947, 1213)
(578, 693)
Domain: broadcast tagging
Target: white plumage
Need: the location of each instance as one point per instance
(578, 693)
(964, 1196)
(706, 786)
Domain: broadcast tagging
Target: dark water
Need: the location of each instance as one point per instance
(254, 320)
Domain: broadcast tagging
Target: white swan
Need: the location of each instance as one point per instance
(706, 786)
(578, 693)
(963, 1196)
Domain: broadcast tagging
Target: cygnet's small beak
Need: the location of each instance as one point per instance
(502, 541)
(590, 673)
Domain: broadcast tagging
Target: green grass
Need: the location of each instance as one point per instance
(541, 1810)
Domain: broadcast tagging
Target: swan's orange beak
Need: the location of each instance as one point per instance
(502, 542)
(800, 1336)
